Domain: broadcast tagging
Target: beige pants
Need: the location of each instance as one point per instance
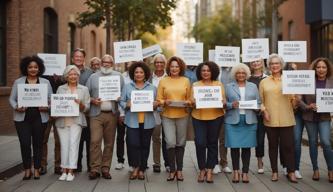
(102, 128)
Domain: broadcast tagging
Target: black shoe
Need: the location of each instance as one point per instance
(57, 170)
(43, 170)
(27, 177)
(94, 175)
(157, 168)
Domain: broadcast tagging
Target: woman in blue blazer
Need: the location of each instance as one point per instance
(241, 122)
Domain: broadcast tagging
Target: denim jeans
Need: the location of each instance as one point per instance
(298, 132)
(324, 130)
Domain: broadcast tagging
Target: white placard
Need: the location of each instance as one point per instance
(250, 104)
(208, 97)
(142, 101)
(54, 63)
(254, 49)
(64, 105)
(191, 53)
(211, 55)
(226, 56)
(177, 104)
(126, 51)
(292, 51)
(324, 100)
(109, 88)
(298, 82)
(32, 95)
(150, 51)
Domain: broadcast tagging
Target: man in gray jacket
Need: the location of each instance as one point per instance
(103, 122)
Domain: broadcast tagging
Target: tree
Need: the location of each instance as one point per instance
(128, 18)
(220, 29)
(99, 11)
(275, 23)
(133, 18)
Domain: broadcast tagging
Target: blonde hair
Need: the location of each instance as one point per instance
(95, 59)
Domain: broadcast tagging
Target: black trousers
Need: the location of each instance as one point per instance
(261, 130)
(120, 142)
(138, 146)
(85, 138)
(235, 154)
(281, 138)
(31, 131)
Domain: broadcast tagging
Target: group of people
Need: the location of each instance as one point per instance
(281, 116)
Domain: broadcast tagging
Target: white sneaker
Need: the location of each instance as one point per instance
(167, 168)
(226, 169)
(120, 166)
(70, 177)
(284, 170)
(217, 169)
(261, 171)
(131, 169)
(63, 177)
(298, 175)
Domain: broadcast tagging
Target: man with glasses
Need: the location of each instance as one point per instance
(103, 122)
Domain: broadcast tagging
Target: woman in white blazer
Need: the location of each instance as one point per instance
(70, 128)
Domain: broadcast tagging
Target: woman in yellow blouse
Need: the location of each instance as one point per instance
(173, 94)
(279, 118)
(207, 123)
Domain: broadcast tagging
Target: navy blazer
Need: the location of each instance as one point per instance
(233, 94)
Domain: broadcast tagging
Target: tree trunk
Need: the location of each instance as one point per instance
(108, 26)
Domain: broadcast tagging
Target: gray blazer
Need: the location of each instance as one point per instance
(83, 94)
(233, 94)
(93, 87)
(19, 116)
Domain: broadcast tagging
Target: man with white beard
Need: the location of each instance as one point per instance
(103, 122)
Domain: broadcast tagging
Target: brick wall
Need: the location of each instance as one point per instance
(25, 20)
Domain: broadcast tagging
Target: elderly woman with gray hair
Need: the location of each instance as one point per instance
(69, 128)
(279, 118)
(241, 122)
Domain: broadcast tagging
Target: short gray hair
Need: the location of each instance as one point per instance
(69, 68)
(159, 55)
(95, 59)
(239, 66)
(107, 56)
(274, 55)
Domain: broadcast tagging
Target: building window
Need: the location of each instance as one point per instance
(3, 43)
(50, 31)
(322, 40)
(93, 42)
(291, 30)
(71, 38)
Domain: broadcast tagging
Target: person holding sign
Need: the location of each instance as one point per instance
(279, 118)
(30, 122)
(257, 68)
(207, 121)
(241, 119)
(319, 123)
(173, 94)
(159, 73)
(140, 123)
(103, 117)
(70, 128)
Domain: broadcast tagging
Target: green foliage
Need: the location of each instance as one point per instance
(128, 18)
(220, 29)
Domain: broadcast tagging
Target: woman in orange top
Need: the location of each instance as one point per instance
(207, 123)
(173, 94)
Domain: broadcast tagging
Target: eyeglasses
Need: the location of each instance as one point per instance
(107, 62)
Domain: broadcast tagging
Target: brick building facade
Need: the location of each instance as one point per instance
(31, 27)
